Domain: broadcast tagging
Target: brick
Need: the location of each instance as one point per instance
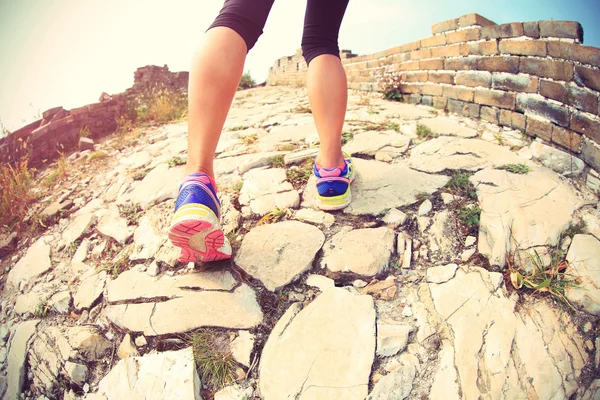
(414, 77)
(431, 64)
(575, 52)
(471, 110)
(432, 90)
(516, 83)
(440, 102)
(514, 29)
(518, 121)
(457, 93)
(523, 47)
(446, 51)
(427, 101)
(409, 89)
(531, 29)
(587, 77)
(495, 98)
(441, 77)
(489, 114)
(50, 112)
(389, 52)
(459, 64)
(474, 19)
(561, 29)
(505, 118)
(566, 138)
(410, 46)
(437, 40)
(445, 26)
(499, 64)
(373, 64)
(488, 48)
(539, 127)
(455, 106)
(590, 152)
(419, 54)
(465, 35)
(572, 95)
(586, 125)
(554, 112)
(400, 57)
(409, 66)
(474, 79)
(414, 99)
(559, 70)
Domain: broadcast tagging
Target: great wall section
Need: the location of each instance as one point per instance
(536, 77)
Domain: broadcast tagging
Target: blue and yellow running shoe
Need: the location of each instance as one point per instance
(196, 228)
(333, 185)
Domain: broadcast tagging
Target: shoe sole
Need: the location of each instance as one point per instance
(199, 236)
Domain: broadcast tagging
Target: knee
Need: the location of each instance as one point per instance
(246, 18)
(314, 45)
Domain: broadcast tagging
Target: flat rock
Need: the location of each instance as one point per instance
(531, 209)
(379, 187)
(395, 217)
(584, 258)
(78, 227)
(166, 305)
(447, 153)
(91, 288)
(136, 160)
(241, 347)
(446, 126)
(113, 225)
(424, 208)
(397, 385)
(127, 348)
(365, 252)
(15, 377)
(442, 273)
(443, 241)
(392, 109)
(152, 232)
(392, 337)
(314, 216)
(267, 189)
(299, 156)
(496, 345)
(166, 375)
(320, 282)
(28, 302)
(230, 393)
(370, 142)
(34, 263)
(557, 160)
(276, 254)
(332, 363)
(159, 185)
(60, 302)
(445, 384)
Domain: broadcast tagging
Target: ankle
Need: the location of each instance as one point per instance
(329, 161)
(194, 169)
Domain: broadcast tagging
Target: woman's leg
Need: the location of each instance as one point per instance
(327, 86)
(214, 78)
(215, 74)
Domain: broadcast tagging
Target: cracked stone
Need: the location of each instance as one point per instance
(276, 254)
(241, 347)
(321, 282)
(314, 216)
(424, 208)
(166, 375)
(169, 304)
(448, 126)
(558, 161)
(60, 302)
(159, 185)
(379, 187)
(584, 258)
(369, 143)
(127, 348)
(91, 288)
(113, 225)
(78, 227)
(152, 232)
(445, 381)
(15, 377)
(392, 337)
(34, 263)
(320, 330)
(396, 385)
(442, 273)
(532, 209)
(446, 153)
(365, 252)
(77, 373)
(395, 217)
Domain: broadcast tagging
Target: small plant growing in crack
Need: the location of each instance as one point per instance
(277, 161)
(42, 309)
(515, 168)
(424, 132)
(131, 212)
(470, 215)
(213, 358)
(346, 137)
(176, 161)
(275, 215)
(459, 185)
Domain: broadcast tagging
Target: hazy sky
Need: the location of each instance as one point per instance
(67, 52)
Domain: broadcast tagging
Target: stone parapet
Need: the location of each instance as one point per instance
(534, 76)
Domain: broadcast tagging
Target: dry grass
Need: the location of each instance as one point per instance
(162, 105)
(213, 357)
(15, 196)
(59, 173)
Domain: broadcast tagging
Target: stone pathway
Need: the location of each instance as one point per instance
(399, 296)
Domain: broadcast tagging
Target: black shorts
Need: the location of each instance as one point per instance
(321, 23)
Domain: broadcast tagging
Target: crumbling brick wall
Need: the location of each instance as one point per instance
(59, 129)
(537, 77)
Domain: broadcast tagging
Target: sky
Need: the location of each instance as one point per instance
(67, 52)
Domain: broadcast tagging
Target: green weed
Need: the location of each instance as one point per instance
(515, 168)
(346, 137)
(277, 161)
(131, 212)
(469, 215)
(176, 161)
(459, 185)
(213, 358)
(299, 175)
(424, 132)
(42, 309)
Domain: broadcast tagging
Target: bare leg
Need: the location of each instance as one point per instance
(328, 96)
(214, 77)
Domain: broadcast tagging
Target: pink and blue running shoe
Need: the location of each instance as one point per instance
(333, 185)
(196, 228)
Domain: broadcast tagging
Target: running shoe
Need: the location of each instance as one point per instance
(195, 227)
(333, 185)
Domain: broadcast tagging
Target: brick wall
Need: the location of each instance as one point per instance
(533, 76)
(59, 129)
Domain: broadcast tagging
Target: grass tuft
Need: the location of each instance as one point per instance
(176, 161)
(274, 215)
(97, 155)
(515, 168)
(277, 161)
(213, 358)
(470, 215)
(42, 309)
(299, 175)
(346, 137)
(15, 196)
(424, 132)
(249, 139)
(459, 185)
(131, 212)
